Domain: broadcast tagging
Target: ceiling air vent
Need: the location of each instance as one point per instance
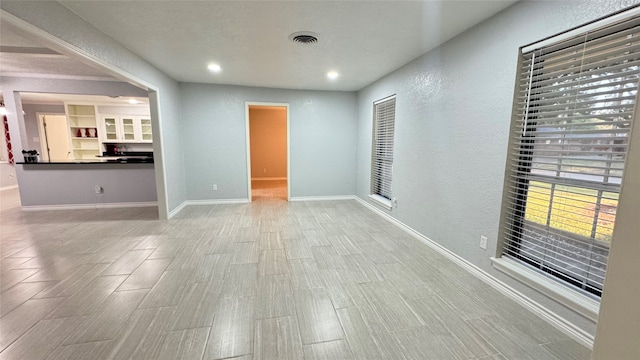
(304, 37)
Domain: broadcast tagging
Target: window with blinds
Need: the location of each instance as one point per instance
(573, 110)
(384, 116)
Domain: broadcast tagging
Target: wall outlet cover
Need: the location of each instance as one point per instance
(483, 242)
(214, 187)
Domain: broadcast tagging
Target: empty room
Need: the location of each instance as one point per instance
(441, 179)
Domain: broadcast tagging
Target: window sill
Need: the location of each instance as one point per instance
(379, 200)
(576, 301)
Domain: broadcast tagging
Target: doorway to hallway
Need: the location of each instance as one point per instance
(268, 151)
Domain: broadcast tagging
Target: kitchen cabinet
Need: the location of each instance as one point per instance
(126, 129)
(83, 131)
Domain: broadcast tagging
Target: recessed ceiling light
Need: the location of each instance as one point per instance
(214, 68)
(133, 101)
(332, 75)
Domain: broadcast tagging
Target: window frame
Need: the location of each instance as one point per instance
(524, 271)
(378, 183)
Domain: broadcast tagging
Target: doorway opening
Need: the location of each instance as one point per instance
(268, 151)
(53, 132)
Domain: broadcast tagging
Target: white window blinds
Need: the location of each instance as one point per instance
(573, 110)
(384, 115)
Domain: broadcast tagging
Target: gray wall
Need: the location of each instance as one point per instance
(452, 121)
(62, 184)
(73, 31)
(322, 134)
(31, 122)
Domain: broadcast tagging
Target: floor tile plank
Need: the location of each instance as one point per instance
(272, 262)
(186, 344)
(42, 339)
(128, 263)
(366, 334)
(106, 324)
(232, 331)
(277, 339)
(330, 350)
(317, 317)
(242, 280)
(168, 290)
(87, 301)
(274, 297)
(395, 313)
(146, 275)
(22, 318)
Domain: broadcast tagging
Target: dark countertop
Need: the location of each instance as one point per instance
(92, 162)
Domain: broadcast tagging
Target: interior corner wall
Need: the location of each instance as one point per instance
(268, 129)
(322, 127)
(82, 36)
(453, 111)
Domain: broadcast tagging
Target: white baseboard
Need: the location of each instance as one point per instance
(88, 206)
(176, 210)
(323, 198)
(268, 178)
(549, 316)
(10, 187)
(217, 201)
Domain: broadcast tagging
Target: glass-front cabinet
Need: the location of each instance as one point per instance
(132, 129)
(110, 128)
(128, 129)
(145, 128)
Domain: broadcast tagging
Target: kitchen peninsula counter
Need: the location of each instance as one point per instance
(104, 182)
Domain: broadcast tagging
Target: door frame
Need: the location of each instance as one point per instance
(247, 104)
(40, 117)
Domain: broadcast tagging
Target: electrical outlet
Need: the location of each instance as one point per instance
(264, 170)
(214, 187)
(483, 242)
(98, 189)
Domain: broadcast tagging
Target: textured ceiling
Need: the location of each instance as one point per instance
(24, 57)
(362, 40)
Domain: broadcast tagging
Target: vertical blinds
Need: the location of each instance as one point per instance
(384, 113)
(574, 107)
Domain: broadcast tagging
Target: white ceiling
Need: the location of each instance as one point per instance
(362, 40)
(21, 56)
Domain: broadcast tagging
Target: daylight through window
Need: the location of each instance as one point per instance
(574, 107)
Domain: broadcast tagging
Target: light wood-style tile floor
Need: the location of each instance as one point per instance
(266, 280)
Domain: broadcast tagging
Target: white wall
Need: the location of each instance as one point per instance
(64, 31)
(322, 134)
(452, 121)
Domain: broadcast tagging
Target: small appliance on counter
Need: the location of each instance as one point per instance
(31, 156)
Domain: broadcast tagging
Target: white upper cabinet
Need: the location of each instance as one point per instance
(126, 129)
